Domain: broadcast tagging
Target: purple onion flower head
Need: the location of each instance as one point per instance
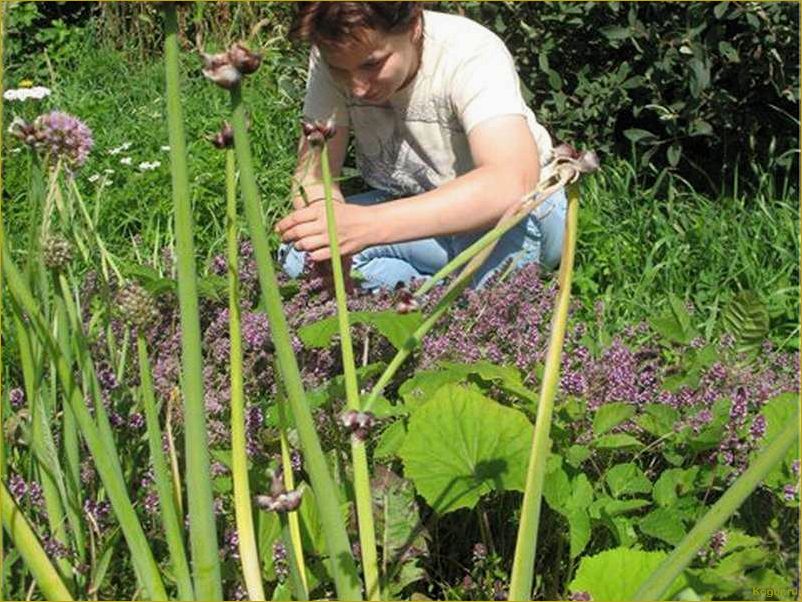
(65, 137)
(136, 306)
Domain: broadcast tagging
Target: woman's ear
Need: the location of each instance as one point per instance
(417, 29)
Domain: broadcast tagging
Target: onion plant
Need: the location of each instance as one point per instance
(342, 564)
(202, 529)
(526, 543)
(243, 511)
(364, 500)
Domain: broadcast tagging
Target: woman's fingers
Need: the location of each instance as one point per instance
(301, 216)
(301, 231)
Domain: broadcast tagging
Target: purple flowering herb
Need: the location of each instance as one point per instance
(580, 595)
(296, 461)
(479, 552)
(136, 421)
(18, 487)
(758, 428)
(280, 564)
(55, 549)
(789, 491)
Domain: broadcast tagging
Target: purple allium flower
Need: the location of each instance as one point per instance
(296, 460)
(231, 543)
(106, 378)
(64, 136)
(16, 397)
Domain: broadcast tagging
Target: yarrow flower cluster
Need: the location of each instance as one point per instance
(23, 94)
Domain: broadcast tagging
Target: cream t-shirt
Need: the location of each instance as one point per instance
(417, 140)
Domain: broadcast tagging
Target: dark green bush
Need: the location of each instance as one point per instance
(705, 90)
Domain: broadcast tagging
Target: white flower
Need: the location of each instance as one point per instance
(123, 147)
(126, 161)
(146, 166)
(108, 171)
(165, 148)
(23, 94)
(94, 177)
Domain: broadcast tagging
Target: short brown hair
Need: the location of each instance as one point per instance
(341, 23)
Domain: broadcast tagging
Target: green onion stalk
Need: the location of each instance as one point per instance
(249, 556)
(364, 500)
(656, 585)
(524, 559)
(106, 459)
(202, 528)
(171, 520)
(29, 548)
(343, 569)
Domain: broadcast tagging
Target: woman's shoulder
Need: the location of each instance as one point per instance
(457, 33)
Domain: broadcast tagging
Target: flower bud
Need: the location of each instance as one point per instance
(225, 137)
(56, 253)
(405, 302)
(218, 68)
(359, 424)
(137, 306)
(317, 132)
(243, 60)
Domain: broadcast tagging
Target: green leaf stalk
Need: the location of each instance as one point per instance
(202, 528)
(523, 564)
(363, 497)
(243, 513)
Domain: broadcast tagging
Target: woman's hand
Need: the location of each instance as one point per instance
(306, 229)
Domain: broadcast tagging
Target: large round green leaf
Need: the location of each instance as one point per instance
(461, 445)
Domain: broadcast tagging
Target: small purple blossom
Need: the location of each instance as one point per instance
(280, 564)
(758, 428)
(136, 421)
(580, 595)
(16, 397)
(17, 486)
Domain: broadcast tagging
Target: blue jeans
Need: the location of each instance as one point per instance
(538, 238)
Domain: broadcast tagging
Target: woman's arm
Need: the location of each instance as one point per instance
(507, 167)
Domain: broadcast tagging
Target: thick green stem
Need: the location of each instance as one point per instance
(655, 587)
(24, 540)
(523, 565)
(249, 556)
(170, 517)
(202, 528)
(344, 572)
(364, 500)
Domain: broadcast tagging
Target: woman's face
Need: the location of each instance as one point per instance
(376, 67)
